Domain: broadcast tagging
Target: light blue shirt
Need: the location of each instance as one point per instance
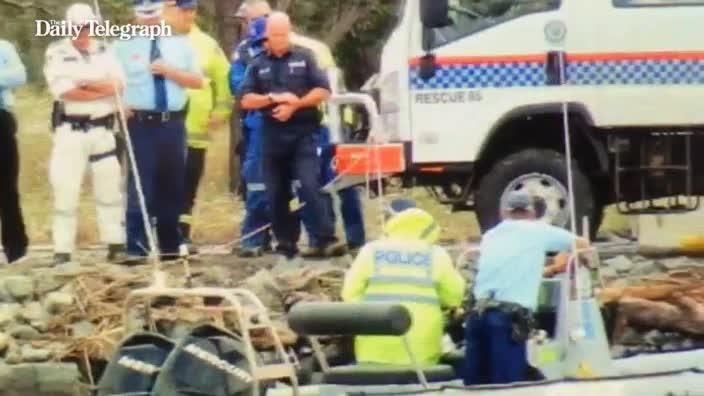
(134, 55)
(512, 260)
(12, 73)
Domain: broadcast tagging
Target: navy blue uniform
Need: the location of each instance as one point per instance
(289, 150)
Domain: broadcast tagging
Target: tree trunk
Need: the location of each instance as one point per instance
(230, 32)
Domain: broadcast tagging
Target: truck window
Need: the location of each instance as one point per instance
(471, 16)
(656, 3)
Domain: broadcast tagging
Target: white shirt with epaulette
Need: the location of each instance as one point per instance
(67, 68)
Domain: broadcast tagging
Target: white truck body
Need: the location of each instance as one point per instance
(631, 67)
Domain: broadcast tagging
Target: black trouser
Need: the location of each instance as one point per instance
(14, 235)
(195, 164)
(290, 153)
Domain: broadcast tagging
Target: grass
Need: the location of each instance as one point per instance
(217, 213)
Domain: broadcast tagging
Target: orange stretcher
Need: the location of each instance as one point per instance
(362, 159)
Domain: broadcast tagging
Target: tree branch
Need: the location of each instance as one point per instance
(344, 24)
(25, 5)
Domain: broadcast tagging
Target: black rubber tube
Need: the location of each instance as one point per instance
(349, 319)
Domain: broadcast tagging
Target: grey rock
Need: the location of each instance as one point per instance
(624, 282)
(688, 343)
(4, 342)
(5, 376)
(645, 267)
(19, 287)
(58, 302)
(30, 354)
(24, 332)
(25, 377)
(608, 272)
(69, 268)
(5, 296)
(47, 282)
(670, 346)
(32, 311)
(676, 263)
(60, 379)
(620, 263)
(8, 314)
(82, 329)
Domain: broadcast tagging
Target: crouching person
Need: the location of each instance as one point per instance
(406, 267)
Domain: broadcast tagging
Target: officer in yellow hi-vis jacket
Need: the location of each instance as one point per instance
(350, 201)
(208, 108)
(406, 267)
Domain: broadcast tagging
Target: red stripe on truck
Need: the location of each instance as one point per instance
(584, 57)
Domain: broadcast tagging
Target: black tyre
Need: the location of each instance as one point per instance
(542, 173)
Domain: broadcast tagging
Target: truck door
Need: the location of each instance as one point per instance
(649, 69)
(491, 59)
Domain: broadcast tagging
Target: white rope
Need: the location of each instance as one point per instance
(154, 252)
(573, 264)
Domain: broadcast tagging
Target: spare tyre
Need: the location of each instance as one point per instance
(541, 173)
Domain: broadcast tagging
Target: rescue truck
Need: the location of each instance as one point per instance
(474, 97)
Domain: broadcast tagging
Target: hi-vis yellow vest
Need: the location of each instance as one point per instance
(323, 57)
(214, 99)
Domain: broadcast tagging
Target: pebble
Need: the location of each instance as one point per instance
(678, 263)
(4, 342)
(32, 312)
(24, 332)
(82, 329)
(8, 314)
(30, 354)
(620, 263)
(19, 287)
(645, 267)
(58, 302)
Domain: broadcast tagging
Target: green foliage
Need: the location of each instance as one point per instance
(356, 51)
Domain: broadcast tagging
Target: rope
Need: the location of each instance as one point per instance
(149, 231)
(572, 265)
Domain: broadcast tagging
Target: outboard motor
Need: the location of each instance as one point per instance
(208, 361)
(135, 366)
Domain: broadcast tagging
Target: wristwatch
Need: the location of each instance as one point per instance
(271, 98)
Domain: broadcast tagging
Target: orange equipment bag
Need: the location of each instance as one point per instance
(361, 159)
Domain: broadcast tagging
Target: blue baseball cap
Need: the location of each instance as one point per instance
(257, 29)
(187, 4)
(148, 8)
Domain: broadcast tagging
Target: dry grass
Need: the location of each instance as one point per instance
(217, 213)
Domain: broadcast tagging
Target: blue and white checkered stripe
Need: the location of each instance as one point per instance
(580, 73)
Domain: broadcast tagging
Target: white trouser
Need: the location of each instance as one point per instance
(72, 152)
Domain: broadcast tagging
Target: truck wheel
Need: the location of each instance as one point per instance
(542, 173)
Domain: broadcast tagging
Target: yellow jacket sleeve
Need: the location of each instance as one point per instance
(357, 276)
(218, 70)
(449, 282)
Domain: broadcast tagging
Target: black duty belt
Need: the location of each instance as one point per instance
(158, 116)
(522, 320)
(84, 123)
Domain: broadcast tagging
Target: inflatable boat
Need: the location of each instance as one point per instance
(573, 358)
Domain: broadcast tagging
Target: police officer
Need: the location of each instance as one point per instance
(208, 108)
(406, 267)
(257, 239)
(287, 85)
(12, 229)
(159, 71)
(350, 201)
(86, 78)
(510, 270)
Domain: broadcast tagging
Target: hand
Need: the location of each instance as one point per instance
(283, 112)
(285, 98)
(215, 123)
(160, 68)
